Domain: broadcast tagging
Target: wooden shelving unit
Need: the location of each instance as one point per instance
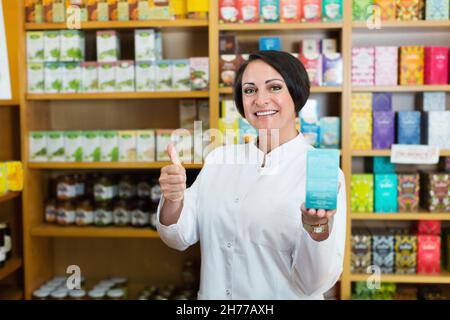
(121, 96)
(313, 90)
(9, 196)
(404, 25)
(442, 278)
(412, 216)
(424, 88)
(10, 267)
(281, 26)
(104, 165)
(10, 293)
(386, 153)
(46, 230)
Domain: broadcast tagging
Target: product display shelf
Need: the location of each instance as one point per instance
(399, 88)
(181, 23)
(10, 103)
(10, 293)
(313, 90)
(47, 230)
(442, 278)
(9, 196)
(119, 95)
(280, 26)
(10, 267)
(421, 24)
(412, 216)
(105, 165)
(386, 153)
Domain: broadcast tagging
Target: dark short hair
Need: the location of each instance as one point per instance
(289, 67)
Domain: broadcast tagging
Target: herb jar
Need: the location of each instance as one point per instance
(84, 214)
(121, 213)
(103, 215)
(140, 216)
(65, 213)
(50, 211)
(66, 188)
(144, 188)
(127, 187)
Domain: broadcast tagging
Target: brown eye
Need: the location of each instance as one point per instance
(276, 88)
(249, 91)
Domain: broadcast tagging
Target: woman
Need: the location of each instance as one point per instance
(247, 204)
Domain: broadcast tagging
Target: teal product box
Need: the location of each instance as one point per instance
(329, 132)
(386, 193)
(322, 175)
(269, 10)
(437, 10)
(270, 43)
(332, 10)
(383, 165)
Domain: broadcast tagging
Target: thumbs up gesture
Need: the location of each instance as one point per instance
(173, 177)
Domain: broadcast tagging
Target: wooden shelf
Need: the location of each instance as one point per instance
(280, 26)
(10, 293)
(8, 196)
(10, 267)
(422, 215)
(443, 278)
(181, 23)
(424, 88)
(422, 24)
(313, 90)
(386, 153)
(119, 95)
(9, 102)
(45, 230)
(105, 165)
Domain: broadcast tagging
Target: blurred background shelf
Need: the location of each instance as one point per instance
(422, 215)
(105, 165)
(424, 88)
(119, 95)
(280, 26)
(442, 278)
(9, 196)
(11, 266)
(45, 230)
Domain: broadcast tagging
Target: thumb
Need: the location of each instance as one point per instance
(173, 154)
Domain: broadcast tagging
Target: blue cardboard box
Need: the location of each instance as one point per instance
(386, 192)
(408, 127)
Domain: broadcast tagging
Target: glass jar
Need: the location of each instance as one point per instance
(41, 294)
(144, 188)
(96, 294)
(103, 215)
(84, 214)
(155, 193)
(65, 213)
(140, 216)
(121, 213)
(59, 295)
(79, 180)
(77, 294)
(116, 294)
(127, 187)
(153, 216)
(50, 211)
(66, 188)
(105, 189)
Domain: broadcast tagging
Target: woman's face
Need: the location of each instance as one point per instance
(266, 99)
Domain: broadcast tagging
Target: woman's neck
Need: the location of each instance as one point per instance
(269, 139)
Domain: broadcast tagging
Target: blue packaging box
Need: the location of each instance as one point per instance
(386, 193)
(383, 165)
(408, 127)
(381, 101)
(270, 43)
(329, 132)
(322, 179)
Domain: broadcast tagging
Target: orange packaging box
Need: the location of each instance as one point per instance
(412, 65)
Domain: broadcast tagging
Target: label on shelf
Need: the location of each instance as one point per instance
(414, 154)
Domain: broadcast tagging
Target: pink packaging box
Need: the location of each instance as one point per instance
(313, 66)
(363, 66)
(436, 65)
(386, 66)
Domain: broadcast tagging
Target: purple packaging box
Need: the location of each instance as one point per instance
(332, 69)
(383, 129)
(382, 101)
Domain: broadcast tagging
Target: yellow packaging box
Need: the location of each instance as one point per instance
(198, 9)
(179, 8)
(3, 179)
(387, 9)
(412, 65)
(14, 174)
(361, 131)
(361, 102)
(408, 10)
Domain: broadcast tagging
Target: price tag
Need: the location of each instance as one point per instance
(414, 154)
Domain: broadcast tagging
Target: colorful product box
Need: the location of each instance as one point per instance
(163, 139)
(248, 11)
(408, 10)
(383, 254)
(123, 10)
(72, 77)
(269, 10)
(229, 110)
(381, 101)
(188, 114)
(408, 127)
(329, 132)
(322, 180)
(386, 193)
(72, 45)
(163, 72)
(107, 76)
(411, 65)
(199, 73)
(89, 76)
(108, 48)
(383, 165)
(437, 129)
(408, 192)
(127, 146)
(52, 46)
(145, 76)
(290, 10)
(328, 46)
(363, 66)
(361, 9)
(53, 74)
(362, 102)
(311, 10)
(428, 254)
(109, 146)
(383, 129)
(14, 175)
(434, 101)
(361, 193)
(435, 195)
(91, 145)
(125, 76)
(405, 254)
(228, 66)
(313, 66)
(55, 146)
(332, 69)
(247, 133)
(429, 227)
(361, 257)
(309, 122)
(310, 48)
(34, 11)
(183, 142)
(386, 66)
(3, 180)
(38, 146)
(230, 130)
(361, 131)
(436, 65)
(332, 10)
(35, 77)
(54, 11)
(146, 145)
(437, 10)
(35, 46)
(145, 45)
(270, 43)
(203, 113)
(74, 147)
(228, 11)
(387, 9)
(228, 44)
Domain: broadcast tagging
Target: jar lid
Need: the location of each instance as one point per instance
(95, 293)
(59, 294)
(41, 294)
(77, 293)
(115, 293)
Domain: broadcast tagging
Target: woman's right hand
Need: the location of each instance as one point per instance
(173, 177)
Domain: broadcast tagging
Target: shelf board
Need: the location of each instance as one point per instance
(106, 165)
(422, 215)
(10, 293)
(9, 102)
(280, 26)
(181, 23)
(119, 95)
(10, 267)
(386, 153)
(8, 196)
(424, 88)
(313, 90)
(46, 230)
(422, 24)
(442, 278)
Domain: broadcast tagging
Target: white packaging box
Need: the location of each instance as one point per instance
(199, 73)
(158, 46)
(38, 146)
(438, 129)
(55, 146)
(109, 146)
(125, 76)
(146, 145)
(145, 45)
(107, 76)
(188, 114)
(72, 45)
(229, 110)
(127, 146)
(74, 146)
(35, 46)
(163, 72)
(163, 139)
(89, 75)
(386, 66)
(183, 142)
(91, 143)
(203, 113)
(145, 76)
(72, 77)
(35, 77)
(53, 73)
(434, 101)
(52, 46)
(108, 49)
(181, 75)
